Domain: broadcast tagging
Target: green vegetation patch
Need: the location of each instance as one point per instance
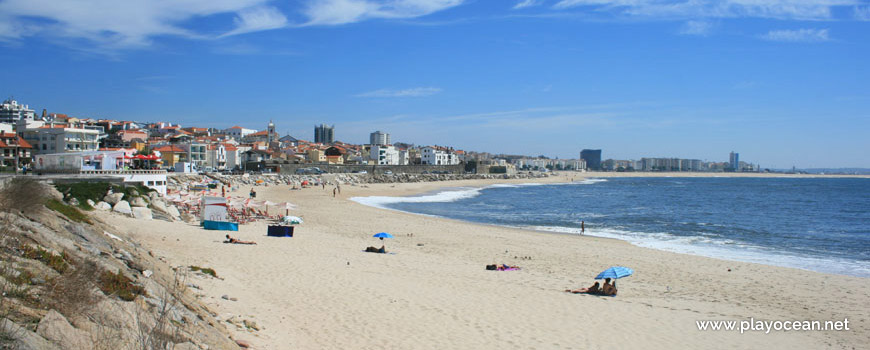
(120, 285)
(95, 191)
(55, 261)
(205, 270)
(67, 210)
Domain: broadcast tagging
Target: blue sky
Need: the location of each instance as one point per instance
(782, 82)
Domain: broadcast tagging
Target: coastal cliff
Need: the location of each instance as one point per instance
(70, 281)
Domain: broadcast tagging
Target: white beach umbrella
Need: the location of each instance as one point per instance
(286, 206)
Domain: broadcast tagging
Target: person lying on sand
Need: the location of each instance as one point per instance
(236, 241)
(381, 250)
(591, 290)
(504, 267)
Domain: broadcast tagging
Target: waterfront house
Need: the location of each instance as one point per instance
(15, 150)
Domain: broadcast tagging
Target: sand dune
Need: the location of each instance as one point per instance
(318, 290)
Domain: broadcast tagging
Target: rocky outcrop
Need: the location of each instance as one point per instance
(138, 202)
(103, 206)
(24, 339)
(74, 311)
(142, 213)
(113, 198)
(55, 328)
(122, 207)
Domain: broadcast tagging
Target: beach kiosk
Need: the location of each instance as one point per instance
(214, 214)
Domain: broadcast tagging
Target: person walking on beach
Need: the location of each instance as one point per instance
(333, 192)
(582, 227)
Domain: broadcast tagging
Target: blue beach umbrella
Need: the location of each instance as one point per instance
(383, 235)
(615, 272)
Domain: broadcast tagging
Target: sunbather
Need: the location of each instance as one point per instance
(381, 250)
(608, 289)
(591, 290)
(236, 241)
(504, 267)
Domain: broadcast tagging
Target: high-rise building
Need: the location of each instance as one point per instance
(324, 133)
(379, 138)
(592, 158)
(11, 112)
(734, 159)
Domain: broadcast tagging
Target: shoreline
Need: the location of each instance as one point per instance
(769, 258)
(318, 290)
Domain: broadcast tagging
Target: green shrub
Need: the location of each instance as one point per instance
(55, 261)
(82, 191)
(120, 285)
(205, 270)
(67, 210)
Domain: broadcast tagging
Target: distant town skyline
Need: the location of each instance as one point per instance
(781, 82)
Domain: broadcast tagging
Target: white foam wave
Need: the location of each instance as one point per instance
(454, 194)
(724, 249)
(444, 196)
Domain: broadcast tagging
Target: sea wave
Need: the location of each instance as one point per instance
(723, 249)
(443, 196)
(454, 194)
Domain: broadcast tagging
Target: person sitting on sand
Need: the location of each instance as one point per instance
(591, 290)
(236, 241)
(608, 289)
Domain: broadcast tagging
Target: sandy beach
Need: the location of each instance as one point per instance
(319, 290)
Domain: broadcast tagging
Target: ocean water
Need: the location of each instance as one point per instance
(815, 224)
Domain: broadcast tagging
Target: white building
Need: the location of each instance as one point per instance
(98, 163)
(60, 139)
(438, 156)
(11, 112)
(216, 157)
(238, 132)
(387, 155)
(379, 138)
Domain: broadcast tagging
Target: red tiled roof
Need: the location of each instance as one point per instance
(169, 148)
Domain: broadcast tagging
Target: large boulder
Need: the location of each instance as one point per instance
(158, 205)
(173, 211)
(122, 207)
(24, 338)
(138, 202)
(57, 329)
(103, 206)
(142, 213)
(113, 198)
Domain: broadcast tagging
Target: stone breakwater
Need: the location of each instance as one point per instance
(180, 181)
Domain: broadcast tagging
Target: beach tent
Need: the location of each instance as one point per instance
(214, 209)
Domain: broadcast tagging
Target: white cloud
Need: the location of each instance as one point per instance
(700, 28)
(800, 35)
(257, 19)
(780, 9)
(526, 3)
(122, 24)
(862, 13)
(334, 12)
(413, 92)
